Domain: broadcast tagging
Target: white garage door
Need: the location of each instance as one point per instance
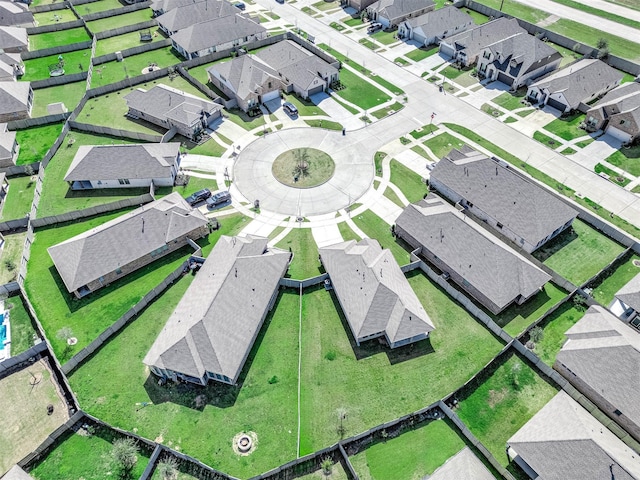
(447, 50)
(618, 134)
(270, 96)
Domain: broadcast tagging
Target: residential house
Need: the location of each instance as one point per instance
(374, 294)
(465, 47)
(16, 100)
(11, 66)
(14, 39)
(186, 15)
(575, 85)
(601, 359)
(4, 190)
(124, 166)
(626, 302)
(433, 26)
(247, 80)
(390, 13)
(564, 441)
(358, 5)
(174, 109)
(159, 7)
(617, 113)
(13, 14)
(9, 147)
(517, 60)
(219, 34)
(300, 70)
(519, 209)
(212, 330)
(479, 263)
(107, 253)
(463, 465)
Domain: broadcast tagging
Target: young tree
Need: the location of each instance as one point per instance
(342, 416)
(168, 469)
(327, 466)
(125, 453)
(65, 333)
(536, 334)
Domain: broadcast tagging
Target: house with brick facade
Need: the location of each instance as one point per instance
(102, 255)
(617, 113)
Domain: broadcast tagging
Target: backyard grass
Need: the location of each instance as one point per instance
(568, 55)
(56, 39)
(567, 127)
(22, 327)
(337, 473)
(628, 159)
(510, 101)
(56, 16)
(443, 143)
(414, 454)
(18, 201)
(515, 319)
(554, 328)
(579, 252)
(478, 18)
(503, 403)
(69, 94)
(124, 41)
(410, 183)
(606, 290)
(74, 62)
(85, 456)
(24, 412)
(117, 21)
(613, 175)
(516, 9)
(10, 256)
(35, 142)
(545, 139)
(375, 227)
(99, 6)
(305, 262)
(331, 363)
(112, 72)
(359, 91)
(421, 53)
(347, 232)
(257, 404)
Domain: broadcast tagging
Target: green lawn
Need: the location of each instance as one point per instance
(338, 374)
(409, 182)
(124, 41)
(18, 201)
(241, 118)
(266, 408)
(359, 91)
(112, 72)
(383, 112)
(200, 72)
(516, 9)
(117, 21)
(515, 319)
(413, 454)
(510, 101)
(329, 125)
(503, 403)
(554, 328)
(11, 255)
(352, 21)
(69, 94)
(35, 142)
(605, 292)
(613, 175)
(545, 139)
(567, 128)
(86, 457)
(374, 227)
(568, 55)
(21, 325)
(99, 6)
(385, 38)
(55, 39)
(391, 195)
(368, 43)
(305, 263)
(452, 72)
(56, 16)
(600, 13)
(347, 232)
(578, 253)
(38, 68)
(627, 159)
(478, 18)
(422, 53)
(337, 473)
(305, 108)
(443, 143)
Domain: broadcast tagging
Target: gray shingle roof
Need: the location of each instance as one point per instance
(475, 39)
(12, 37)
(14, 96)
(564, 442)
(168, 5)
(16, 473)
(580, 80)
(493, 268)
(464, 465)
(392, 9)
(101, 250)
(135, 161)
(434, 23)
(624, 99)
(630, 293)
(373, 292)
(215, 324)
(522, 53)
(7, 140)
(216, 32)
(192, 13)
(246, 74)
(169, 103)
(14, 13)
(525, 208)
(604, 352)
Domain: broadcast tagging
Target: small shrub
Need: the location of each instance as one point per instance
(168, 469)
(10, 265)
(273, 380)
(125, 453)
(331, 355)
(327, 465)
(580, 303)
(536, 334)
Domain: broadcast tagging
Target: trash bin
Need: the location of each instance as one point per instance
(344, 132)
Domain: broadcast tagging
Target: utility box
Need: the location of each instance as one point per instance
(119, 56)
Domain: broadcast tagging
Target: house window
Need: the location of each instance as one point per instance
(621, 122)
(118, 271)
(123, 181)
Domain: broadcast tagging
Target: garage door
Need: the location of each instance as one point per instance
(618, 134)
(314, 90)
(270, 96)
(506, 79)
(556, 104)
(447, 50)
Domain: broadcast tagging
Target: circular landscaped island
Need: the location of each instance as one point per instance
(303, 167)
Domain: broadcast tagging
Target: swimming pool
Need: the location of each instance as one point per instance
(3, 335)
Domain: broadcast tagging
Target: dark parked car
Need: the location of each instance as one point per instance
(218, 198)
(240, 5)
(199, 196)
(280, 1)
(290, 108)
(374, 27)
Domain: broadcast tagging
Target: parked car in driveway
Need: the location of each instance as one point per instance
(199, 196)
(218, 199)
(374, 27)
(290, 108)
(240, 5)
